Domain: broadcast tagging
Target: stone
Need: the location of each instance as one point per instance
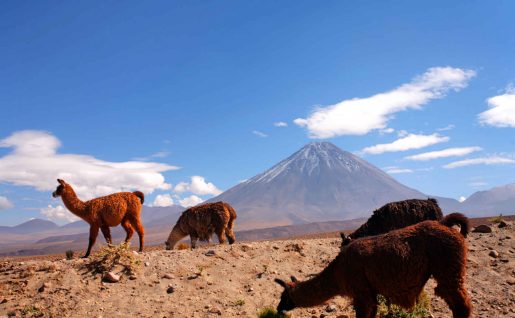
(210, 253)
(330, 308)
(44, 287)
(111, 277)
(133, 277)
(483, 228)
(168, 276)
(493, 253)
(502, 224)
(147, 264)
(170, 289)
(214, 310)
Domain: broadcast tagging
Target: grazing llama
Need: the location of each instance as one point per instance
(396, 215)
(396, 265)
(201, 221)
(101, 213)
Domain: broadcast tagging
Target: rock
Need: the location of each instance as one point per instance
(210, 253)
(147, 264)
(135, 253)
(3, 300)
(214, 310)
(111, 277)
(170, 289)
(502, 224)
(168, 276)
(133, 277)
(330, 308)
(483, 228)
(493, 253)
(44, 287)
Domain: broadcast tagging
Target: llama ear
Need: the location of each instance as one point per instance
(281, 282)
(343, 235)
(294, 279)
(61, 181)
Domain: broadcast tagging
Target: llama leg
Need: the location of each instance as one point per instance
(93, 233)
(365, 308)
(193, 240)
(128, 229)
(107, 234)
(136, 223)
(457, 299)
(220, 232)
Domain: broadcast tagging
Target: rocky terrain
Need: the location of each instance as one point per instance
(229, 281)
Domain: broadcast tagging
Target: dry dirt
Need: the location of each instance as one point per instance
(237, 281)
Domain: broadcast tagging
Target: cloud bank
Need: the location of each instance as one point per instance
(501, 112)
(34, 162)
(493, 160)
(449, 152)
(358, 116)
(411, 141)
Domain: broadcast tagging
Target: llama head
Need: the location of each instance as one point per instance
(168, 246)
(286, 303)
(346, 239)
(60, 188)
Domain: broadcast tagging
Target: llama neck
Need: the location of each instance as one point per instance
(73, 203)
(316, 290)
(175, 236)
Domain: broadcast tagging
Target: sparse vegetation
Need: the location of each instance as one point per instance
(183, 246)
(239, 302)
(31, 311)
(497, 219)
(421, 309)
(269, 312)
(69, 254)
(112, 256)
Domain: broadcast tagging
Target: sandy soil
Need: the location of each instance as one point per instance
(237, 281)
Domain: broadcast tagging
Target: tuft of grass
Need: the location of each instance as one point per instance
(69, 254)
(422, 308)
(31, 311)
(239, 302)
(269, 312)
(111, 256)
(497, 219)
(183, 246)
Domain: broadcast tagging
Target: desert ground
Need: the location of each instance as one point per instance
(229, 281)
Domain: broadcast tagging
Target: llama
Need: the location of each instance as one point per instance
(396, 265)
(101, 213)
(396, 215)
(201, 221)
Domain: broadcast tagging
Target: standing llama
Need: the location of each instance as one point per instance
(101, 213)
(396, 265)
(396, 215)
(201, 221)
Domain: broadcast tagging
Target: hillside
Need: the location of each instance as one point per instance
(236, 281)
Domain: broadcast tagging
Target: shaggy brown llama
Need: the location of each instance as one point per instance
(101, 213)
(396, 215)
(396, 265)
(201, 221)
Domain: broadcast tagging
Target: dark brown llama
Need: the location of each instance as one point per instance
(102, 213)
(396, 215)
(201, 221)
(396, 265)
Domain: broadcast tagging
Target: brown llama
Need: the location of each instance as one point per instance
(201, 221)
(396, 265)
(101, 213)
(396, 215)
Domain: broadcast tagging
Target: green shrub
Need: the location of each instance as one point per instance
(269, 312)
(422, 308)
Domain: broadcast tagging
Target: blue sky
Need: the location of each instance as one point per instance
(180, 99)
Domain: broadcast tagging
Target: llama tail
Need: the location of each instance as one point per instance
(457, 219)
(140, 195)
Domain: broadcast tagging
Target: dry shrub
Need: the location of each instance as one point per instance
(497, 219)
(183, 246)
(69, 254)
(112, 256)
(269, 312)
(422, 308)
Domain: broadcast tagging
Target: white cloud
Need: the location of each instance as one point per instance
(34, 162)
(449, 152)
(478, 184)
(192, 200)
(501, 112)
(280, 124)
(259, 133)
(462, 199)
(386, 131)
(159, 154)
(396, 170)
(358, 116)
(198, 186)
(493, 160)
(5, 203)
(411, 141)
(58, 213)
(448, 127)
(162, 200)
